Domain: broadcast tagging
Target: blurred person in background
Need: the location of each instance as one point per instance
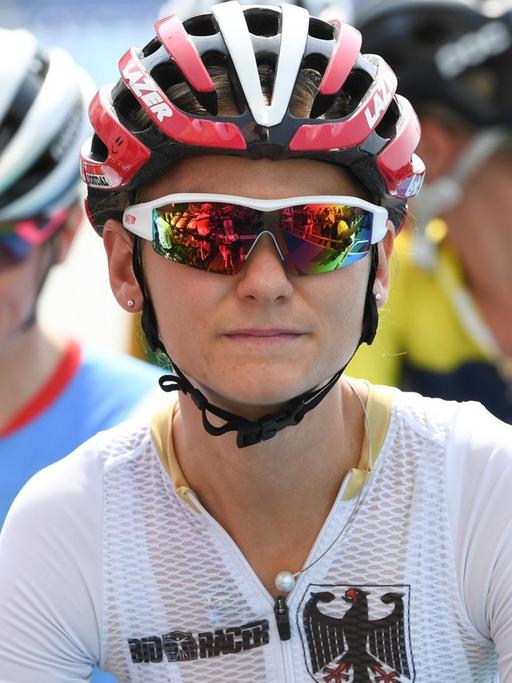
(447, 327)
(54, 394)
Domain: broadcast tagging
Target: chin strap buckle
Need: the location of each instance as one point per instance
(251, 433)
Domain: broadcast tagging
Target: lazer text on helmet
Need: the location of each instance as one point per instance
(148, 91)
(379, 102)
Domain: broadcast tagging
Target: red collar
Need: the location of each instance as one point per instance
(51, 389)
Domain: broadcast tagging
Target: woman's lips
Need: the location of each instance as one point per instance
(264, 337)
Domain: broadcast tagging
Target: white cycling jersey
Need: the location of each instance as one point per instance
(107, 558)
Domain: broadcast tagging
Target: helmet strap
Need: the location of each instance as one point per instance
(249, 432)
(371, 312)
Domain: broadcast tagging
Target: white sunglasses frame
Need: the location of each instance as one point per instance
(138, 218)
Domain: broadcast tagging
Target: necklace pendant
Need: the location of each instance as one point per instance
(285, 582)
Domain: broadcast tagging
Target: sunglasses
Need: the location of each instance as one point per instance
(217, 233)
(18, 239)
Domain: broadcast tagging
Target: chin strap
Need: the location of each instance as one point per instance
(249, 432)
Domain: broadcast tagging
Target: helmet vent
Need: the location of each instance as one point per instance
(99, 151)
(151, 47)
(214, 58)
(262, 22)
(314, 67)
(317, 63)
(171, 80)
(130, 112)
(346, 101)
(167, 74)
(203, 25)
(321, 106)
(387, 127)
(320, 29)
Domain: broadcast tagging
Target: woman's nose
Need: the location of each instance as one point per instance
(263, 276)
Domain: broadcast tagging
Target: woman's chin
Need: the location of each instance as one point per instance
(253, 403)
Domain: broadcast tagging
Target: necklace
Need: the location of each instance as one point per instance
(285, 581)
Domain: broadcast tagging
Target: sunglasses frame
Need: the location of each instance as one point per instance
(138, 218)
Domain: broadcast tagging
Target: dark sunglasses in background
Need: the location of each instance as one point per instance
(17, 239)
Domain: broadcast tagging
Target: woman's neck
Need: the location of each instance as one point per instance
(26, 362)
(279, 489)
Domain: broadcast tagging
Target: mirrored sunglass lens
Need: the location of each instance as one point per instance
(217, 237)
(210, 236)
(320, 238)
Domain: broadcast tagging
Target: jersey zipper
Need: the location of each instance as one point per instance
(282, 617)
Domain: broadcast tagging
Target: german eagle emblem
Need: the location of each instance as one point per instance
(355, 647)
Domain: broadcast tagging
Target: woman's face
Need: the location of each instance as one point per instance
(253, 340)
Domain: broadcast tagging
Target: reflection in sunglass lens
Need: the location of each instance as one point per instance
(209, 236)
(217, 237)
(320, 238)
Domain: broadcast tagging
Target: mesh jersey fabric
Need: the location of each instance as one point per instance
(105, 388)
(161, 592)
(423, 343)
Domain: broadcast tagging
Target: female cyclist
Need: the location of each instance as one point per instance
(277, 521)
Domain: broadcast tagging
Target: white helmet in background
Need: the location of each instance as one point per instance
(43, 121)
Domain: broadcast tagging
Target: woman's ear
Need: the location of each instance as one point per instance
(381, 284)
(119, 247)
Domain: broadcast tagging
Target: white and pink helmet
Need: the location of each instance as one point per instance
(375, 139)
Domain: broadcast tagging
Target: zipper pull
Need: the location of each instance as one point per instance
(282, 618)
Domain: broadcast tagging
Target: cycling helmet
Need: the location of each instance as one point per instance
(140, 132)
(452, 52)
(43, 121)
(375, 139)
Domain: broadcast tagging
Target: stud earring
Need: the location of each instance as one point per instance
(378, 296)
(131, 303)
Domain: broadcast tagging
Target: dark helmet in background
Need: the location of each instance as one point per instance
(453, 58)
(455, 53)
